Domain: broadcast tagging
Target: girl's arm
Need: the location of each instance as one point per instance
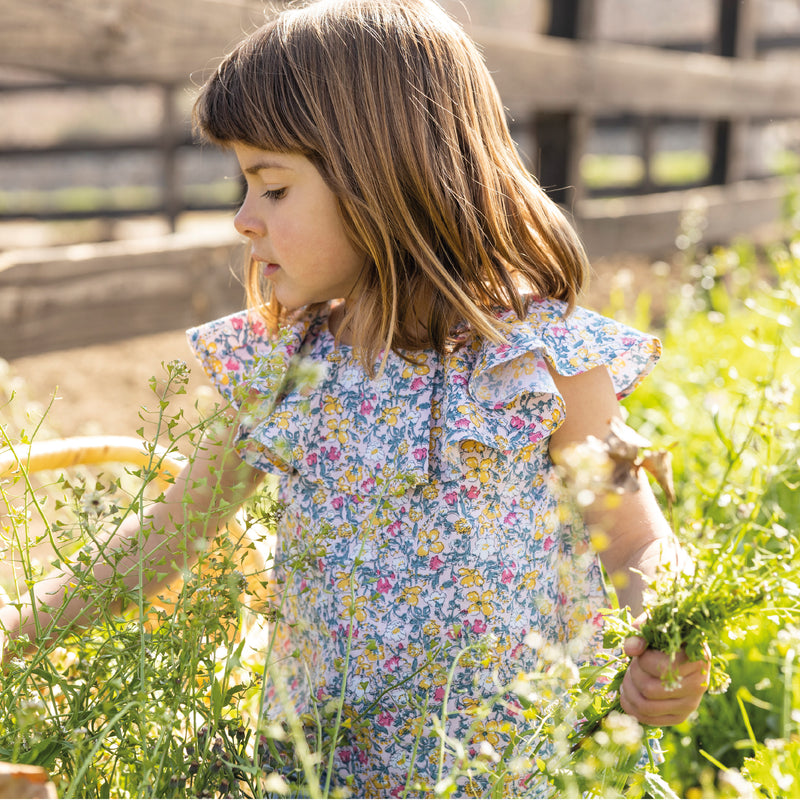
(204, 496)
(639, 542)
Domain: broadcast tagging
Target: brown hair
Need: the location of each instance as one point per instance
(394, 105)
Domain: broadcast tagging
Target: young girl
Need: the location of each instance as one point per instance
(398, 242)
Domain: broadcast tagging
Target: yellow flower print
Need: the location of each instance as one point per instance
(338, 429)
(529, 580)
(414, 650)
(415, 369)
(355, 609)
(411, 595)
(472, 706)
(414, 514)
(481, 603)
(462, 526)
(471, 446)
(430, 491)
(470, 577)
(489, 731)
(555, 421)
(342, 580)
(389, 415)
(475, 418)
(428, 544)
(431, 628)
(282, 419)
(479, 469)
(331, 405)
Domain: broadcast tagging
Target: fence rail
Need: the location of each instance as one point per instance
(554, 88)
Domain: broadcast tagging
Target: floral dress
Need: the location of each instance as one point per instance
(420, 520)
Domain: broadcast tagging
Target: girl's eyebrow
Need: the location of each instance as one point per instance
(259, 166)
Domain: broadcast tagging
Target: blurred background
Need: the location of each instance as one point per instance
(652, 123)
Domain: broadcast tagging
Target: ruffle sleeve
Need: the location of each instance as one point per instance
(250, 369)
(504, 396)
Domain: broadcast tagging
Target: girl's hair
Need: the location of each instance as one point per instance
(395, 107)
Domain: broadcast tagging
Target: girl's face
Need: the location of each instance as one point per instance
(296, 232)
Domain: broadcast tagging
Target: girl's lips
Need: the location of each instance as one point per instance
(269, 269)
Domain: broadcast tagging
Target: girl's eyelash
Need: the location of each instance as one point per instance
(274, 194)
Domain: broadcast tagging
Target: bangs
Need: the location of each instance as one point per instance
(255, 97)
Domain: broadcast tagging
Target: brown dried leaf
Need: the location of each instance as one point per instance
(659, 464)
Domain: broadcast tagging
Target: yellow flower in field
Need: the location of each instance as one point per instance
(428, 543)
(470, 577)
(481, 603)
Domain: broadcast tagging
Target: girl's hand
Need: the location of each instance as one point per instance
(649, 691)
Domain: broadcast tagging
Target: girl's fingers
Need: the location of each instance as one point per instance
(661, 691)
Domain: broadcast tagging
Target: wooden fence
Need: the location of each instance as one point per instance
(553, 85)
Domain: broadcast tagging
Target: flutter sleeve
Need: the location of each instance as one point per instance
(504, 396)
(248, 367)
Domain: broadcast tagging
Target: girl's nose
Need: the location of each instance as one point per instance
(247, 222)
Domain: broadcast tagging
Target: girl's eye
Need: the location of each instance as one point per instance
(274, 194)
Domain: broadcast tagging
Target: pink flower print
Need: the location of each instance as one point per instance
(535, 436)
(383, 585)
(438, 694)
(368, 484)
(366, 408)
(237, 323)
(232, 365)
(385, 718)
(394, 528)
(436, 563)
(337, 502)
(344, 756)
(334, 454)
(548, 544)
(362, 757)
(311, 459)
(257, 327)
(391, 664)
(417, 384)
(420, 453)
(460, 380)
(507, 576)
(510, 518)
(473, 492)
(450, 498)
(462, 424)
(517, 422)
(479, 626)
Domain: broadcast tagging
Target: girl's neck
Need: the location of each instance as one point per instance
(344, 335)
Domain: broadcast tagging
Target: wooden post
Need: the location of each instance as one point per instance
(559, 136)
(171, 136)
(736, 38)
